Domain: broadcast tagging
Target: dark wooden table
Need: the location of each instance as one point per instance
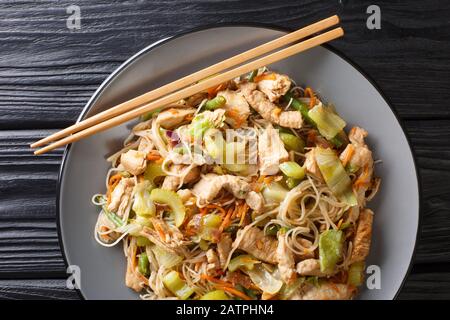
(48, 72)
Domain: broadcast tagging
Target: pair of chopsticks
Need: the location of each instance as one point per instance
(189, 85)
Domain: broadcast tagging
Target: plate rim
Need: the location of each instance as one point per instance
(269, 26)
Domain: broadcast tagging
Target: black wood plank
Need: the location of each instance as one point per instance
(48, 72)
(36, 289)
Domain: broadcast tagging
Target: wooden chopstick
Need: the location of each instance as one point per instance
(204, 85)
(192, 78)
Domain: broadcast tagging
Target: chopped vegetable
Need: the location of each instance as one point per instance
(328, 123)
(292, 182)
(142, 241)
(153, 171)
(292, 142)
(330, 249)
(292, 169)
(210, 224)
(335, 175)
(300, 106)
(355, 274)
(114, 218)
(264, 279)
(272, 230)
(289, 289)
(143, 265)
(274, 192)
(143, 205)
(217, 102)
(149, 115)
(166, 258)
(177, 286)
(173, 200)
(252, 75)
(215, 295)
(244, 261)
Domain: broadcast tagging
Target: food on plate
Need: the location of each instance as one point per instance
(254, 189)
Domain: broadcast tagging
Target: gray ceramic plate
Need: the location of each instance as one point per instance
(358, 101)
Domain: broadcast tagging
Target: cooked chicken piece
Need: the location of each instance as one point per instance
(286, 263)
(188, 174)
(363, 236)
(310, 267)
(210, 185)
(213, 262)
(216, 117)
(269, 110)
(271, 151)
(105, 224)
(145, 145)
(238, 277)
(326, 291)
(121, 196)
(236, 108)
(308, 253)
(274, 89)
(185, 194)
(171, 183)
(224, 248)
(311, 165)
(259, 245)
(174, 117)
(174, 246)
(132, 276)
(255, 201)
(134, 161)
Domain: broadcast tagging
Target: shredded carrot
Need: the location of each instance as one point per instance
(153, 155)
(268, 180)
(310, 93)
(236, 116)
(215, 206)
(243, 213)
(203, 211)
(349, 152)
(160, 231)
(112, 183)
(265, 76)
(363, 179)
(213, 91)
(215, 280)
(189, 117)
(226, 221)
(234, 292)
(276, 112)
(340, 223)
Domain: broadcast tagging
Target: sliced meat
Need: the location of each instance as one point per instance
(174, 117)
(255, 201)
(275, 88)
(224, 248)
(271, 151)
(259, 245)
(285, 258)
(134, 161)
(363, 236)
(187, 174)
(210, 185)
(311, 165)
(213, 262)
(269, 110)
(326, 291)
(310, 267)
(185, 194)
(240, 278)
(236, 108)
(215, 117)
(145, 145)
(121, 196)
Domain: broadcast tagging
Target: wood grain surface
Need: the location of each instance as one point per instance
(48, 73)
